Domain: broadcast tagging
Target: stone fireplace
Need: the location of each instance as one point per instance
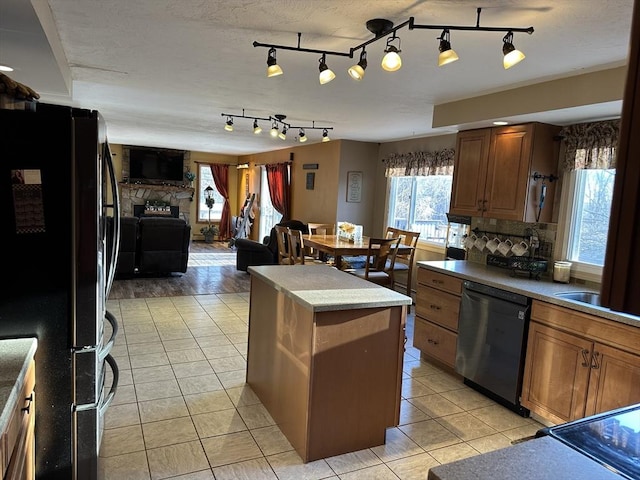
(138, 194)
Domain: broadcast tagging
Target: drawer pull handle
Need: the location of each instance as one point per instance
(28, 407)
(432, 341)
(434, 307)
(585, 357)
(436, 281)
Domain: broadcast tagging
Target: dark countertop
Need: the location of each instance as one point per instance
(539, 459)
(15, 356)
(543, 289)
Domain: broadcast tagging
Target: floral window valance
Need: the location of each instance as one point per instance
(413, 164)
(590, 145)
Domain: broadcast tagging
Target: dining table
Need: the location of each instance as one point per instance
(337, 246)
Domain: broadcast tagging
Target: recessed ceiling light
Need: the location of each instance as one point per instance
(500, 122)
(5, 68)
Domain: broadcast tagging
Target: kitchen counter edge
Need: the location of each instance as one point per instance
(543, 290)
(15, 357)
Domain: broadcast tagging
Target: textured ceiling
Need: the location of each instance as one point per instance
(162, 71)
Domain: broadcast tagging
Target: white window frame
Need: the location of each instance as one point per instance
(216, 212)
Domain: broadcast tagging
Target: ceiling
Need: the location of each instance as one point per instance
(162, 72)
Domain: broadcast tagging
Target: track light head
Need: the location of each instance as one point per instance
(274, 130)
(273, 69)
(302, 137)
(447, 54)
(326, 74)
(392, 61)
(325, 135)
(257, 129)
(283, 134)
(511, 54)
(229, 125)
(357, 71)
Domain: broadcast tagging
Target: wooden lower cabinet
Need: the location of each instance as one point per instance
(572, 367)
(18, 440)
(435, 331)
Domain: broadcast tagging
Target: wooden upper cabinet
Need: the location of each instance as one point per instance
(494, 168)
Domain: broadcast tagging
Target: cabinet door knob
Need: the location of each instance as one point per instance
(479, 205)
(585, 357)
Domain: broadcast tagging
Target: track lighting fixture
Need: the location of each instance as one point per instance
(273, 69)
(357, 71)
(391, 60)
(511, 54)
(279, 127)
(326, 74)
(447, 54)
(382, 28)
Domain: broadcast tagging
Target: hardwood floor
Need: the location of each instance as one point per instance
(211, 269)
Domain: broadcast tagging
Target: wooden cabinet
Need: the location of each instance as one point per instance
(18, 439)
(579, 365)
(494, 168)
(435, 331)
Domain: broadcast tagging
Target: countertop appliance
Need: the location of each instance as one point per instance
(611, 439)
(59, 265)
(457, 230)
(492, 335)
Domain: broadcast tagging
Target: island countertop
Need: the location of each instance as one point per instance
(322, 288)
(544, 290)
(15, 356)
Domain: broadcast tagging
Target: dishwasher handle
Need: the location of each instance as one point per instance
(496, 292)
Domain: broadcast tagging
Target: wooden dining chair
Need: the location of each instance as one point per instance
(297, 253)
(381, 257)
(282, 235)
(320, 229)
(404, 262)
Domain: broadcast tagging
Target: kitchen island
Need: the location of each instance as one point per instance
(325, 356)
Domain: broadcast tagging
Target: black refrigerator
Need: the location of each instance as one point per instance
(60, 234)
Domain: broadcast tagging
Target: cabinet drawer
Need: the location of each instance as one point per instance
(435, 341)
(440, 281)
(438, 307)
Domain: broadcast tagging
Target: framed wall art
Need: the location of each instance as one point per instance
(354, 187)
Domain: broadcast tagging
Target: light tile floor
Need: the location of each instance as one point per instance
(183, 411)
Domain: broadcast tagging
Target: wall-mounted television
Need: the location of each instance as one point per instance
(148, 163)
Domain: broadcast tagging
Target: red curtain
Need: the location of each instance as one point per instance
(280, 188)
(221, 179)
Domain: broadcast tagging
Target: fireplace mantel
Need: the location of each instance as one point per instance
(140, 193)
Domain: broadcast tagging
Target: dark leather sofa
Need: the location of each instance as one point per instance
(251, 253)
(152, 245)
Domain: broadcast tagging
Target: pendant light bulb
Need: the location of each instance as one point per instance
(257, 129)
(326, 74)
(357, 71)
(273, 69)
(274, 130)
(511, 54)
(392, 61)
(229, 125)
(447, 54)
(283, 134)
(302, 136)
(325, 135)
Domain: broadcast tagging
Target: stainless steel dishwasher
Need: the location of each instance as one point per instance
(492, 336)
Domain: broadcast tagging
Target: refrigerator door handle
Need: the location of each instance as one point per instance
(114, 332)
(115, 244)
(104, 404)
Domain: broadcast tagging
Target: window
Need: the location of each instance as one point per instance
(206, 179)
(421, 204)
(590, 209)
(268, 215)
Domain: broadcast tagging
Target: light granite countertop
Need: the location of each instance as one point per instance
(322, 288)
(15, 356)
(544, 290)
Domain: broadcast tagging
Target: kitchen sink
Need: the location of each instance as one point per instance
(583, 297)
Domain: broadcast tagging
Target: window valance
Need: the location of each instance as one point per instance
(590, 145)
(413, 164)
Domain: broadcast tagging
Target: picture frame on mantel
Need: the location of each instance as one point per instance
(354, 187)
